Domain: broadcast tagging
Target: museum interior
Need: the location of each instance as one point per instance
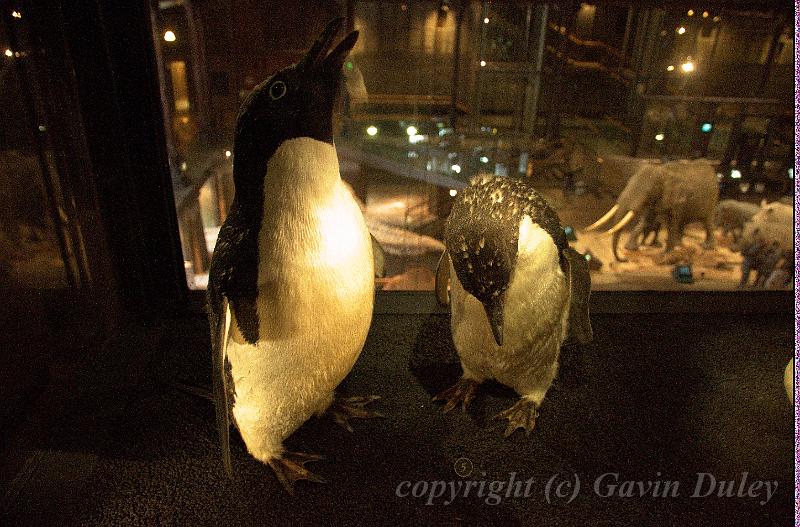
(196, 336)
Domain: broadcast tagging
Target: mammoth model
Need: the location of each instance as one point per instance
(675, 194)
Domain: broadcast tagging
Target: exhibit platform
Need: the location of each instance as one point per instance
(694, 405)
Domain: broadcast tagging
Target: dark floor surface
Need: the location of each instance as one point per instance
(654, 397)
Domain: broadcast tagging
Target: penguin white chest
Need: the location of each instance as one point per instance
(315, 253)
(315, 296)
(535, 316)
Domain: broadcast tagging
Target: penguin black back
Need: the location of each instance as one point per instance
(482, 232)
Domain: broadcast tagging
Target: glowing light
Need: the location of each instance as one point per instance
(456, 168)
(681, 30)
(483, 63)
(184, 166)
(416, 138)
(227, 153)
(372, 131)
(791, 173)
(486, 20)
(9, 53)
(690, 12)
(687, 66)
(705, 14)
(484, 159)
(349, 65)
(736, 174)
(411, 130)
(670, 68)
(659, 137)
(16, 14)
(169, 36)
(342, 234)
(185, 119)
(42, 128)
(453, 192)
(706, 127)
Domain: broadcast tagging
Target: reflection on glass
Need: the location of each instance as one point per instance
(34, 228)
(578, 99)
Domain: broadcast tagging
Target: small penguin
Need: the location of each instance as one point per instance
(291, 289)
(517, 290)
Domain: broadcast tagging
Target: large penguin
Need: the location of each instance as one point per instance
(517, 289)
(291, 289)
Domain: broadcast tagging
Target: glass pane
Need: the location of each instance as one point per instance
(583, 102)
(33, 248)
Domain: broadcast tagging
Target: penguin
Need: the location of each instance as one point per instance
(517, 290)
(291, 290)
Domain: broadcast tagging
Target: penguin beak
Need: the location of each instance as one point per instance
(321, 45)
(494, 312)
(318, 56)
(335, 59)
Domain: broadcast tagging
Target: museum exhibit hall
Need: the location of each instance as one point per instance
(410, 262)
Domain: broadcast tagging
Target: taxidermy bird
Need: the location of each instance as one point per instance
(291, 288)
(517, 290)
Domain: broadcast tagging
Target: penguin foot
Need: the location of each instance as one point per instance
(290, 467)
(521, 415)
(462, 392)
(343, 408)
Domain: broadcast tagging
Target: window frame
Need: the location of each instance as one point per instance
(117, 41)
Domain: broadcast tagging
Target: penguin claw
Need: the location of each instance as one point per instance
(462, 392)
(290, 468)
(343, 408)
(522, 415)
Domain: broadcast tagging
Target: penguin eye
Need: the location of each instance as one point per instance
(277, 90)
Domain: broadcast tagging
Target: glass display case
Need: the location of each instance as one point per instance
(574, 98)
(116, 159)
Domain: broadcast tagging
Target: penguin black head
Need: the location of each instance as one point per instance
(295, 102)
(482, 233)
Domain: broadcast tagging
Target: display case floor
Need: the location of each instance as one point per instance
(654, 398)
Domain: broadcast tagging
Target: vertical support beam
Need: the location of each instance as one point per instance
(533, 88)
(736, 127)
(519, 114)
(568, 13)
(461, 8)
(197, 50)
(626, 38)
(646, 38)
(481, 53)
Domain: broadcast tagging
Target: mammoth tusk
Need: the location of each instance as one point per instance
(604, 219)
(622, 223)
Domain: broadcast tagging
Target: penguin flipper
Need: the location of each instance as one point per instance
(443, 279)
(378, 257)
(219, 339)
(580, 284)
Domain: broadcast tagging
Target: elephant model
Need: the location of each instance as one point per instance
(675, 193)
(731, 215)
(648, 224)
